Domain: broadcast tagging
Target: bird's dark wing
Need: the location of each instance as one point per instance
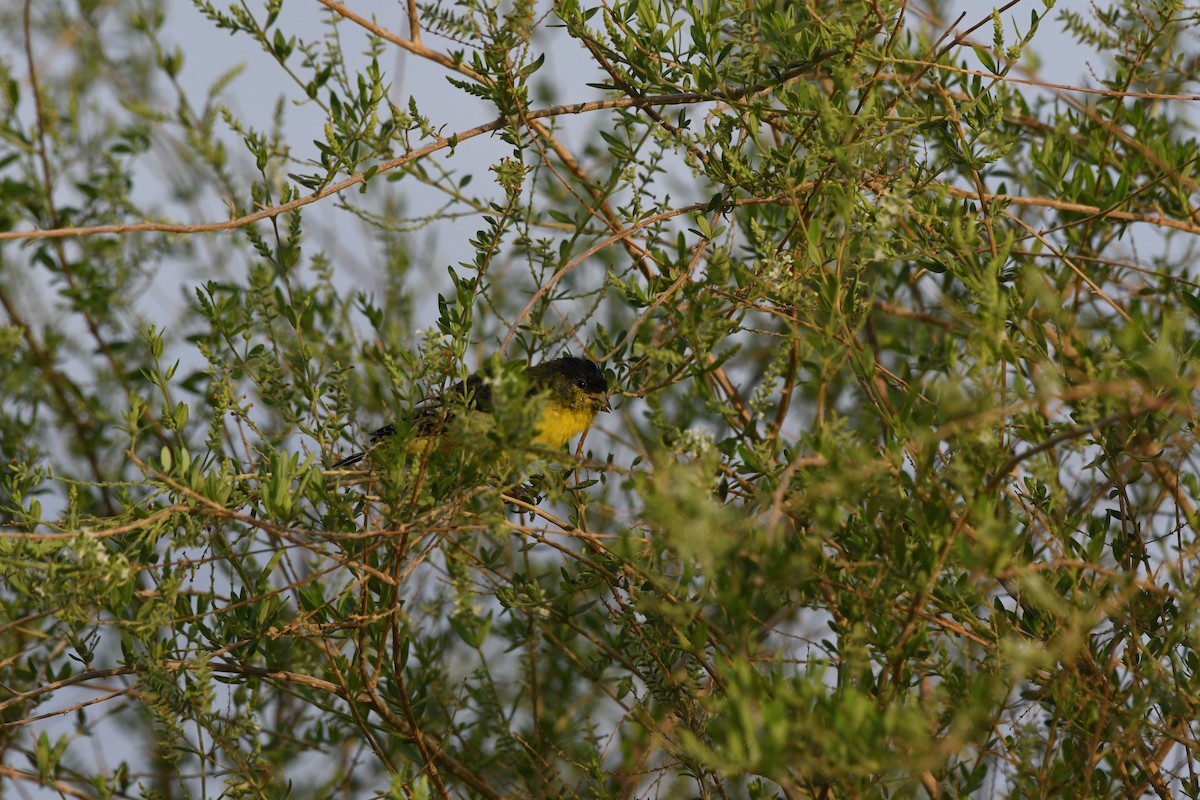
(432, 415)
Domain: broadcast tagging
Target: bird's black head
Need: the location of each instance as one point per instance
(584, 374)
(575, 382)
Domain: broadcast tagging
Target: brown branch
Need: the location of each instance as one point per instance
(413, 44)
(642, 257)
(1078, 208)
(360, 177)
(597, 247)
(1064, 87)
(1073, 432)
(12, 773)
(64, 390)
(132, 526)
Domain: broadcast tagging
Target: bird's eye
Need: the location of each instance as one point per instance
(581, 383)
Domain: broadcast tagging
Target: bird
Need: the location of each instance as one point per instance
(574, 390)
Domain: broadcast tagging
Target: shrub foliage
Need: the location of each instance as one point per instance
(898, 497)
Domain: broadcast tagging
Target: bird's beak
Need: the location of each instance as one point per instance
(603, 404)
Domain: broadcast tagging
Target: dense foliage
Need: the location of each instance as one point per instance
(898, 497)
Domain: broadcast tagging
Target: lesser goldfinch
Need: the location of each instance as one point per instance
(574, 391)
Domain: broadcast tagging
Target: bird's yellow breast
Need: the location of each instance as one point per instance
(561, 424)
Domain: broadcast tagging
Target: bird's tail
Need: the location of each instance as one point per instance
(349, 460)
